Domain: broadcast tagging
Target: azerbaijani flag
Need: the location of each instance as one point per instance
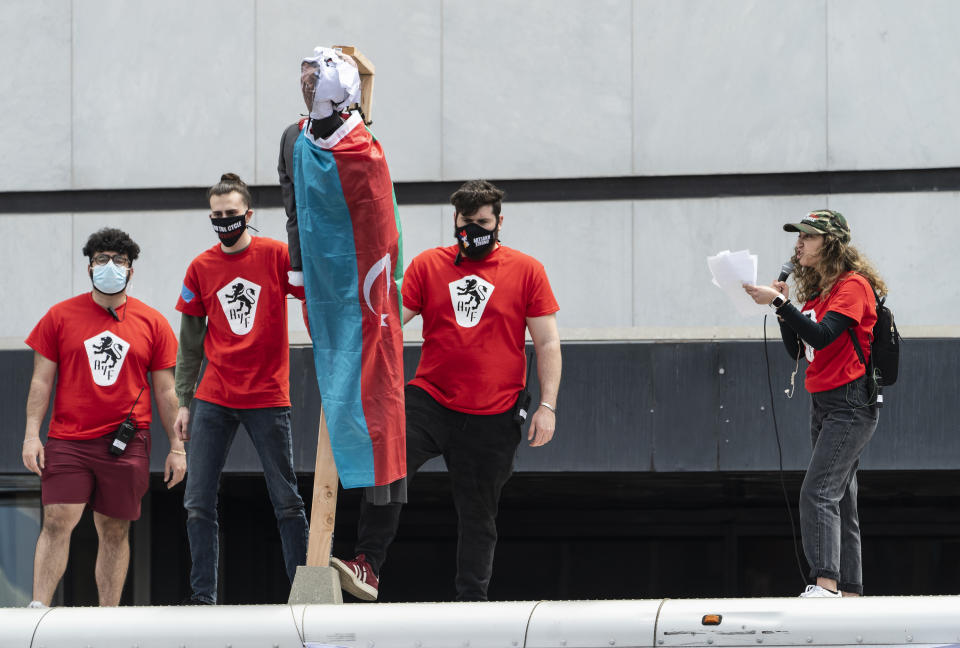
(352, 268)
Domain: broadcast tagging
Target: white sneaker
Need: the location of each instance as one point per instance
(37, 604)
(815, 591)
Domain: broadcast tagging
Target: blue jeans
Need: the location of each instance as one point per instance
(841, 424)
(212, 431)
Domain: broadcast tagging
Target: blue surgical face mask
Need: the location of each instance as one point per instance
(109, 278)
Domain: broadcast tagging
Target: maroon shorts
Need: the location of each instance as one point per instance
(84, 472)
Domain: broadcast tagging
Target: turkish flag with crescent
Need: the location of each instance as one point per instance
(352, 251)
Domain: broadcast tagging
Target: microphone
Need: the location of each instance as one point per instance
(785, 271)
(113, 313)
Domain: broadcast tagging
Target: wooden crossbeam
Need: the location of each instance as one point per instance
(367, 70)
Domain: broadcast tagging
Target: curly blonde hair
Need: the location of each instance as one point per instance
(837, 257)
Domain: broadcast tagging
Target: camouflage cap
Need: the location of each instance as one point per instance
(822, 221)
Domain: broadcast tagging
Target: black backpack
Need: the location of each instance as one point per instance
(885, 348)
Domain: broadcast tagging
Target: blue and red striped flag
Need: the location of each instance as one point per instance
(352, 267)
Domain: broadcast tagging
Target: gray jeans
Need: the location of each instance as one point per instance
(841, 424)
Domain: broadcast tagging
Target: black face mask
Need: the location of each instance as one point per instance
(230, 228)
(475, 242)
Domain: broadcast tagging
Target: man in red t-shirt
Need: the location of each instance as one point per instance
(98, 347)
(477, 299)
(234, 309)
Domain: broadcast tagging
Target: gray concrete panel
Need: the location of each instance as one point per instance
(609, 270)
(894, 85)
(269, 221)
(172, 94)
(587, 252)
(536, 89)
(673, 239)
(911, 239)
(35, 95)
(164, 93)
(728, 87)
(424, 227)
(403, 42)
(36, 257)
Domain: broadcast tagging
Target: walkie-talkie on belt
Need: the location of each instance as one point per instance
(125, 430)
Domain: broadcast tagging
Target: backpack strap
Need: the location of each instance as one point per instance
(856, 346)
(853, 338)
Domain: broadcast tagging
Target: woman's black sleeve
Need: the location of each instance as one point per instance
(790, 340)
(816, 334)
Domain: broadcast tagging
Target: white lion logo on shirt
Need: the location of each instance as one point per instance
(106, 352)
(239, 298)
(469, 296)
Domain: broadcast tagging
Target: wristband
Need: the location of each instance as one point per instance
(178, 452)
(30, 439)
(548, 406)
(779, 302)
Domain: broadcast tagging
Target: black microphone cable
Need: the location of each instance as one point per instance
(776, 431)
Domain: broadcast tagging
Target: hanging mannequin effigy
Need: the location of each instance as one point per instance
(344, 233)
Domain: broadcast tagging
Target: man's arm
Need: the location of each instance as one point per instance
(546, 342)
(189, 359)
(408, 315)
(165, 395)
(38, 400)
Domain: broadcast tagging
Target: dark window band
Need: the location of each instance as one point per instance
(546, 190)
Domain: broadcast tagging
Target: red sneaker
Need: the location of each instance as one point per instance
(357, 577)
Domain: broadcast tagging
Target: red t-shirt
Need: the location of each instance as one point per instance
(243, 297)
(102, 363)
(474, 320)
(837, 363)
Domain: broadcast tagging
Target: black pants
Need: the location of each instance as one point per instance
(479, 452)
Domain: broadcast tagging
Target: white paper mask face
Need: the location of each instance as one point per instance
(329, 81)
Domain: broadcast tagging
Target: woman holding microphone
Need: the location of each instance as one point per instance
(835, 292)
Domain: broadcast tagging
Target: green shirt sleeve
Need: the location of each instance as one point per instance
(193, 328)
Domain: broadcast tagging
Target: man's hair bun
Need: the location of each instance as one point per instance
(231, 177)
(230, 182)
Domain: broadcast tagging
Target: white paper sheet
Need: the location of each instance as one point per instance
(730, 271)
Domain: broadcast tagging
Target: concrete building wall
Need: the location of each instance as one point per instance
(620, 269)
(105, 95)
(110, 94)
